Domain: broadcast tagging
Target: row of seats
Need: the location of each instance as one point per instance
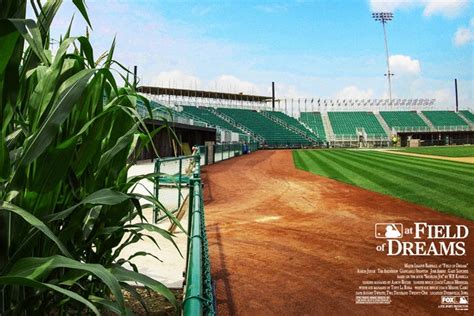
(468, 115)
(403, 119)
(291, 121)
(274, 134)
(347, 123)
(444, 118)
(205, 115)
(314, 121)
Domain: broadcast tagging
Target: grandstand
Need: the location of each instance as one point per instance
(273, 133)
(291, 123)
(404, 121)
(371, 123)
(314, 121)
(468, 115)
(205, 115)
(354, 123)
(446, 120)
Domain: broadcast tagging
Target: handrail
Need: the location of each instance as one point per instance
(198, 296)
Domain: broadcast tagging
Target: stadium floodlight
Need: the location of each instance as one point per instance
(385, 17)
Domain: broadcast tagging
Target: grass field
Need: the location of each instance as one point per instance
(446, 151)
(442, 185)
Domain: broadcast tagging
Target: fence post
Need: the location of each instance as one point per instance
(157, 188)
(179, 181)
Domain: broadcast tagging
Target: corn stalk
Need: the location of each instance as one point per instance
(68, 134)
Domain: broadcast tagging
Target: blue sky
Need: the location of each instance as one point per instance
(330, 49)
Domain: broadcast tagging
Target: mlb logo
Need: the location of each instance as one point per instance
(388, 230)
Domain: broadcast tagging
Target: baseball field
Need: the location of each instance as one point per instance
(445, 151)
(445, 186)
(286, 241)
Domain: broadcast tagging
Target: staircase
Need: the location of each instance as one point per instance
(425, 119)
(384, 125)
(287, 126)
(236, 124)
(327, 126)
(471, 125)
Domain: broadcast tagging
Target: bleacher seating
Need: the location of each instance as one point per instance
(291, 121)
(404, 119)
(347, 123)
(314, 121)
(468, 115)
(273, 133)
(209, 117)
(444, 118)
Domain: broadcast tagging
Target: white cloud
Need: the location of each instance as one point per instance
(233, 84)
(464, 35)
(402, 65)
(443, 96)
(448, 8)
(353, 92)
(177, 79)
(390, 5)
(271, 8)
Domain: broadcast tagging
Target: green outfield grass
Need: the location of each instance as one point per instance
(441, 185)
(447, 151)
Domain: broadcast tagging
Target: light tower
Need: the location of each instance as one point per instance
(384, 17)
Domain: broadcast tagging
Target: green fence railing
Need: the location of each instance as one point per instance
(174, 174)
(199, 296)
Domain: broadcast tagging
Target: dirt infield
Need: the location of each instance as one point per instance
(287, 242)
(456, 159)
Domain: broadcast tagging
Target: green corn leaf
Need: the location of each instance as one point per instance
(135, 295)
(101, 197)
(152, 228)
(111, 306)
(81, 6)
(73, 89)
(87, 49)
(18, 280)
(122, 143)
(5, 166)
(124, 275)
(35, 222)
(27, 266)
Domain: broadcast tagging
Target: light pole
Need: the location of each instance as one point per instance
(384, 17)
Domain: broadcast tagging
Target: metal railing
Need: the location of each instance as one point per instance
(172, 177)
(199, 298)
(447, 128)
(174, 173)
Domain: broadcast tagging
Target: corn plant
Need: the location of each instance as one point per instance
(68, 134)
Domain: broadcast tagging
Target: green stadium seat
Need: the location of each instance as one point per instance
(314, 121)
(468, 115)
(273, 133)
(207, 116)
(291, 121)
(347, 123)
(444, 118)
(403, 120)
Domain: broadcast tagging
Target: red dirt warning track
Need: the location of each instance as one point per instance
(288, 242)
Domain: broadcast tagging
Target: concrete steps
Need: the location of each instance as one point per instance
(426, 120)
(471, 125)
(236, 124)
(327, 126)
(384, 125)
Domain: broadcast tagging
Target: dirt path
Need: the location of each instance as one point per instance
(457, 159)
(287, 242)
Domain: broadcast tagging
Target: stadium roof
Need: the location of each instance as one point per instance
(202, 94)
